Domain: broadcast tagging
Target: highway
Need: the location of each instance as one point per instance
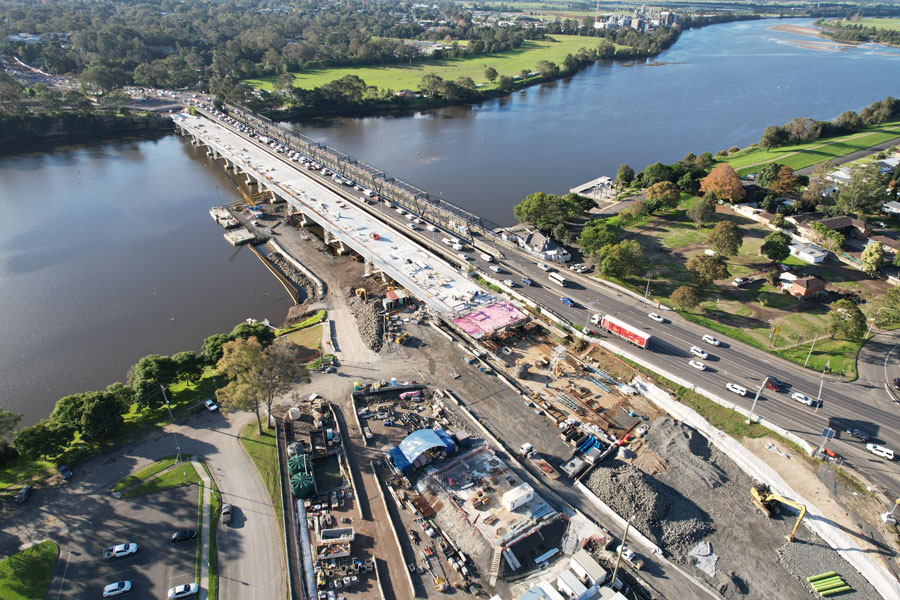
(864, 404)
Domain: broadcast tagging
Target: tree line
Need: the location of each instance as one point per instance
(857, 33)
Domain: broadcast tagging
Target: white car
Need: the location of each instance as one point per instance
(880, 451)
(509, 283)
(116, 589)
(737, 389)
(120, 550)
(543, 267)
(803, 398)
(697, 365)
(711, 340)
(657, 317)
(699, 352)
(184, 591)
(210, 405)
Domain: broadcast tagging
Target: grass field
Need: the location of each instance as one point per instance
(749, 160)
(174, 477)
(26, 575)
(890, 24)
(398, 77)
(262, 451)
(145, 473)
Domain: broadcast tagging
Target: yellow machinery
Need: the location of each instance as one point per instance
(402, 338)
(361, 294)
(768, 504)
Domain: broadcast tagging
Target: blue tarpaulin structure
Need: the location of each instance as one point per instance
(403, 465)
(409, 453)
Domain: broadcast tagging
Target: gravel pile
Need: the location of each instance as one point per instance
(811, 556)
(673, 522)
(368, 322)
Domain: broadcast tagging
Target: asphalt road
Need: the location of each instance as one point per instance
(861, 404)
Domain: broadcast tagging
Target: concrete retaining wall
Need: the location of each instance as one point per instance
(320, 285)
(394, 526)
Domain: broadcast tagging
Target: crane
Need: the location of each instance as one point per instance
(768, 503)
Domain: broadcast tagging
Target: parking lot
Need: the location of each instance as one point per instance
(148, 520)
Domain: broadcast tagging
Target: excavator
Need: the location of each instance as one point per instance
(768, 504)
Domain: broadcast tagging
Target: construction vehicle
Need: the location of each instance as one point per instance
(361, 294)
(768, 504)
(402, 338)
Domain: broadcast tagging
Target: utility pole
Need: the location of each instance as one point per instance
(811, 349)
(821, 383)
(621, 549)
(177, 445)
(753, 406)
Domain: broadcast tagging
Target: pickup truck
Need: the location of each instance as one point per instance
(120, 550)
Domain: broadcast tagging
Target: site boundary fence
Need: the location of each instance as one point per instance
(290, 531)
(409, 197)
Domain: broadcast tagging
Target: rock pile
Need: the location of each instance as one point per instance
(661, 513)
(690, 456)
(368, 322)
(809, 555)
(292, 273)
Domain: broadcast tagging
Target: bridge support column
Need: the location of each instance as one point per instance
(250, 180)
(328, 237)
(369, 267)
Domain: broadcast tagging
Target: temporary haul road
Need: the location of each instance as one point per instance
(865, 404)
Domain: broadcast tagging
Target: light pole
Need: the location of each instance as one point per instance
(621, 549)
(821, 383)
(647, 293)
(815, 337)
(587, 319)
(177, 446)
(753, 406)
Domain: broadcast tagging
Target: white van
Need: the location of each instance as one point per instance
(494, 268)
(486, 257)
(543, 267)
(880, 451)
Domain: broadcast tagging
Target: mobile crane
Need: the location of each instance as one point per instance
(768, 504)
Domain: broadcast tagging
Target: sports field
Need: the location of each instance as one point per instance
(399, 77)
(799, 156)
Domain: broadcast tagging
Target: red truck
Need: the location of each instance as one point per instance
(625, 331)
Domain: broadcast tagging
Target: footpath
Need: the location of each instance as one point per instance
(204, 532)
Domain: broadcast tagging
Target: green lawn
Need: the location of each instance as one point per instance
(26, 575)
(886, 23)
(318, 317)
(145, 473)
(215, 508)
(799, 156)
(398, 77)
(262, 451)
(174, 477)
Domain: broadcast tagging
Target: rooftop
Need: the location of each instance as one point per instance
(485, 321)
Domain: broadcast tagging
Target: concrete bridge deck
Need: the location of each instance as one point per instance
(425, 275)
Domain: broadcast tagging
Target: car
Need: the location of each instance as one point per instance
(575, 267)
(699, 352)
(210, 405)
(120, 550)
(64, 472)
(526, 281)
(183, 535)
(860, 435)
(711, 340)
(657, 317)
(567, 301)
(543, 267)
(226, 513)
(897, 382)
(116, 589)
(183, 591)
(737, 389)
(495, 269)
(23, 494)
(773, 384)
(509, 283)
(804, 399)
(697, 365)
(880, 451)
(739, 281)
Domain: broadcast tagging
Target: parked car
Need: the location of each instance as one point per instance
(697, 365)
(23, 494)
(657, 317)
(860, 435)
(699, 352)
(737, 389)
(116, 589)
(880, 451)
(226, 513)
(64, 472)
(210, 405)
(183, 591)
(120, 550)
(183, 535)
(739, 281)
(711, 340)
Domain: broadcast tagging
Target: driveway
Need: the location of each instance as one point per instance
(251, 557)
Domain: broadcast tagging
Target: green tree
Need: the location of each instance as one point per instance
(872, 258)
(726, 238)
(702, 212)
(102, 415)
(625, 175)
(285, 83)
(705, 269)
(620, 260)
(829, 239)
(724, 181)
(685, 297)
(546, 211)
(665, 194)
(68, 410)
(9, 423)
(44, 439)
(896, 261)
(188, 366)
(847, 320)
(785, 181)
(211, 351)
(560, 233)
(773, 278)
(776, 246)
(148, 376)
(548, 70)
(490, 74)
(657, 172)
(263, 333)
(864, 193)
(773, 137)
(687, 183)
(596, 234)
(431, 84)
(505, 83)
(767, 174)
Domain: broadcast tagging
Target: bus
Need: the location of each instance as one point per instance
(557, 278)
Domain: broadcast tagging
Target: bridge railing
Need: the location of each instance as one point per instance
(406, 195)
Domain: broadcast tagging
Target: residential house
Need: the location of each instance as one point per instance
(804, 288)
(847, 225)
(891, 246)
(536, 243)
(808, 252)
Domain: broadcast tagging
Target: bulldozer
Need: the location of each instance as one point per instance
(361, 294)
(768, 504)
(402, 338)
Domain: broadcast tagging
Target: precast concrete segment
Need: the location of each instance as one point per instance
(428, 277)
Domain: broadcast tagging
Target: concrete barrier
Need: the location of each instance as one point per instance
(346, 437)
(320, 285)
(383, 495)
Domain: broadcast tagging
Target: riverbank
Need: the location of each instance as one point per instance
(798, 29)
(19, 130)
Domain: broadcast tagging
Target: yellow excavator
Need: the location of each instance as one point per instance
(768, 504)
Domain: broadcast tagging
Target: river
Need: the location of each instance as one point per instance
(716, 87)
(107, 254)
(107, 251)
